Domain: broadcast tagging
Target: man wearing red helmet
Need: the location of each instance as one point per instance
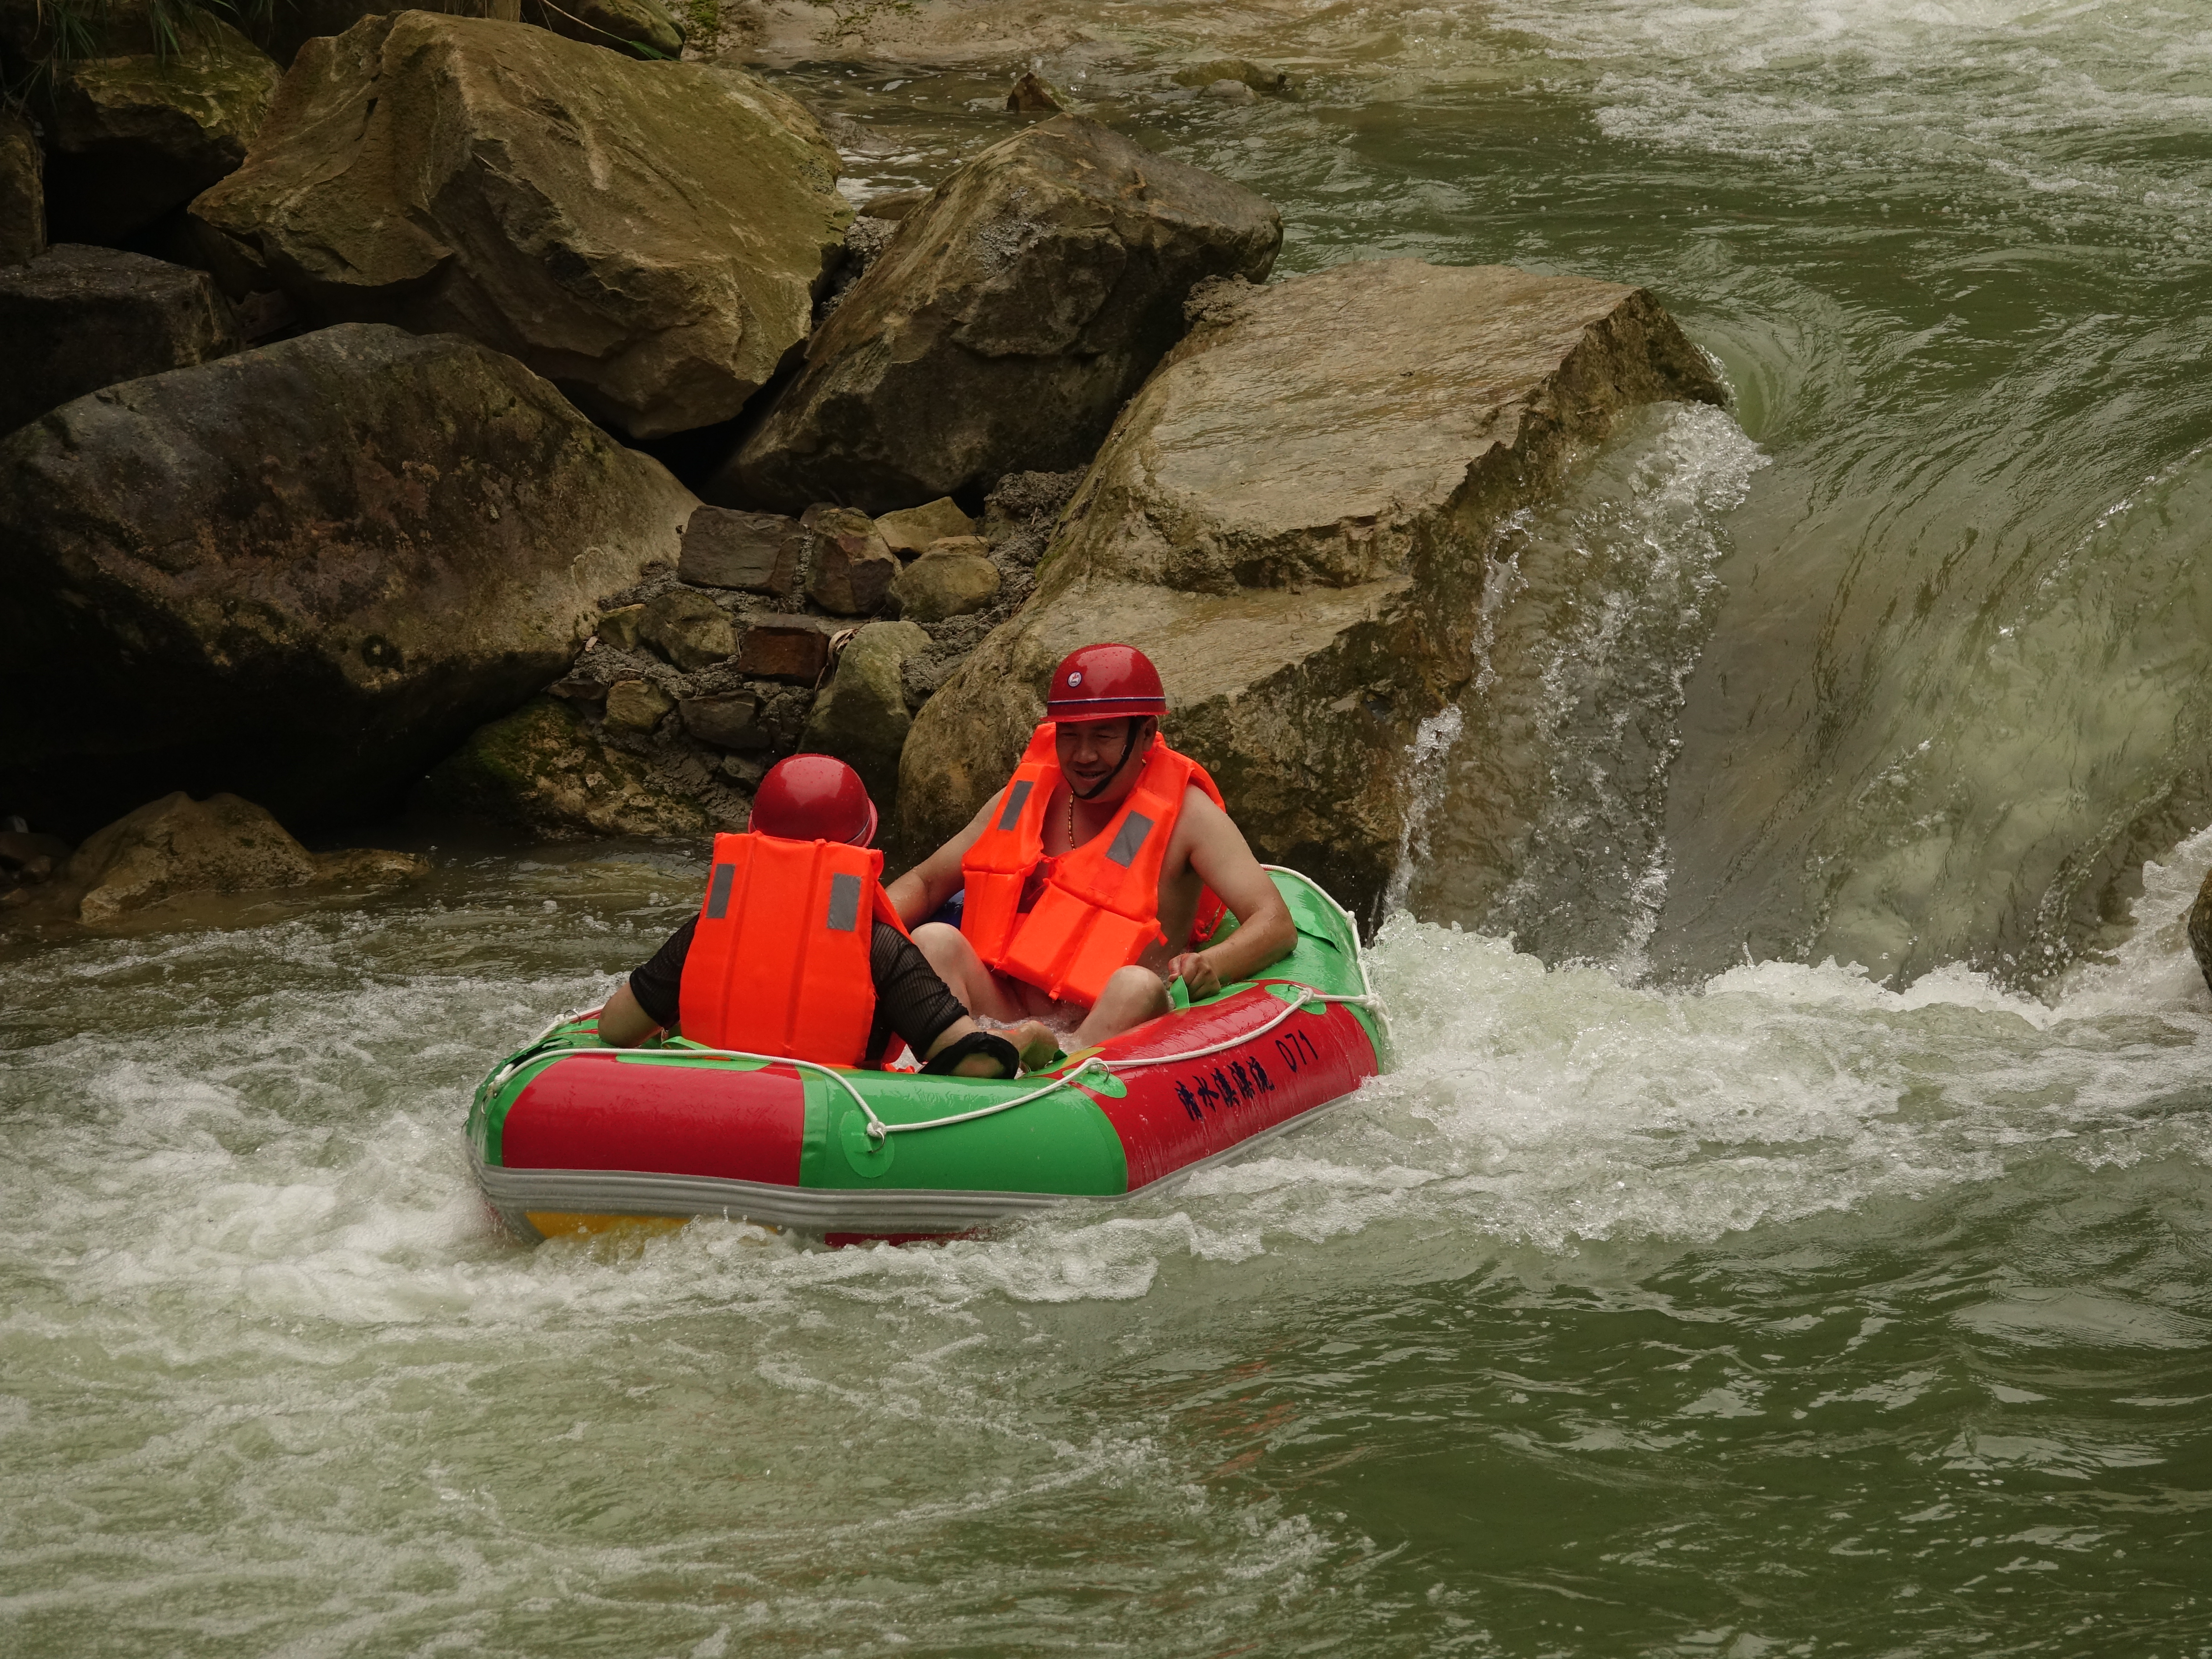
(1090, 875)
(796, 950)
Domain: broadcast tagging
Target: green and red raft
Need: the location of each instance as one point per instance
(568, 1135)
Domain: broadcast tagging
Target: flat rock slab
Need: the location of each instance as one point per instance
(728, 719)
(650, 236)
(1015, 311)
(910, 531)
(1291, 518)
(76, 318)
(301, 573)
(752, 552)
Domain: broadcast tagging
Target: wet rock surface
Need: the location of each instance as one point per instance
(1006, 323)
(176, 847)
(305, 571)
(77, 318)
(1291, 519)
(649, 236)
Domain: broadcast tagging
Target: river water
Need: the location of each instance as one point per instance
(1682, 1292)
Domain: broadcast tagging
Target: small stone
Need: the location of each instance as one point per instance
(1231, 92)
(952, 579)
(728, 719)
(1034, 95)
(620, 627)
(796, 651)
(691, 630)
(908, 533)
(579, 688)
(851, 568)
(744, 770)
(861, 715)
(753, 552)
(636, 705)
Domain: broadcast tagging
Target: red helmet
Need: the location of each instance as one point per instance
(814, 798)
(1104, 683)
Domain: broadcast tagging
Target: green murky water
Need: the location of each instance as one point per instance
(1682, 1296)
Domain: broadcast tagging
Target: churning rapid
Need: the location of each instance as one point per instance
(1682, 1292)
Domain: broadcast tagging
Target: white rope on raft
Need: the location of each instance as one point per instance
(878, 1130)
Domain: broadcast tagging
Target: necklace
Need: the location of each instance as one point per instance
(1071, 818)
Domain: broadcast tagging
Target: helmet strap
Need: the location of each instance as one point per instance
(1128, 747)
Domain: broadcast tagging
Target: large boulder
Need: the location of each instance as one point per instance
(1014, 313)
(648, 236)
(543, 770)
(302, 571)
(22, 193)
(176, 845)
(1291, 519)
(76, 318)
(130, 137)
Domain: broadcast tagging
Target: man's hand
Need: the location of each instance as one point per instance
(1200, 977)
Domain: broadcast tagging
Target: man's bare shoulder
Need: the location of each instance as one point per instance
(1201, 824)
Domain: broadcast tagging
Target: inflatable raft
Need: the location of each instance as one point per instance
(569, 1136)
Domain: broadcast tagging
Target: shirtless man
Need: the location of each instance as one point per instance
(1085, 876)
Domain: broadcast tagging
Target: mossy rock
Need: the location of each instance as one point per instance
(543, 770)
(130, 137)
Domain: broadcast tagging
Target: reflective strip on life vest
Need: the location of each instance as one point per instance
(779, 958)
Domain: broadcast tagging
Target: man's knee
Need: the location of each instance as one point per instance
(942, 943)
(1137, 989)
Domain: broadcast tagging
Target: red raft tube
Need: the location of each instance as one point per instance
(569, 1136)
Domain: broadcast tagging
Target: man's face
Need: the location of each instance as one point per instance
(1091, 752)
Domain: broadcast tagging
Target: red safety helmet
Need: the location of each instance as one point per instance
(814, 798)
(1104, 683)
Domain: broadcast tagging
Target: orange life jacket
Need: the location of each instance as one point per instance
(1100, 905)
(779, 960)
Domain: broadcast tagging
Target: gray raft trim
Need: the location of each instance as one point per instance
(514, 1193)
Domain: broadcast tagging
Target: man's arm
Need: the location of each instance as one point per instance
(623, 1023)
(920, 893)
(1265, 933)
